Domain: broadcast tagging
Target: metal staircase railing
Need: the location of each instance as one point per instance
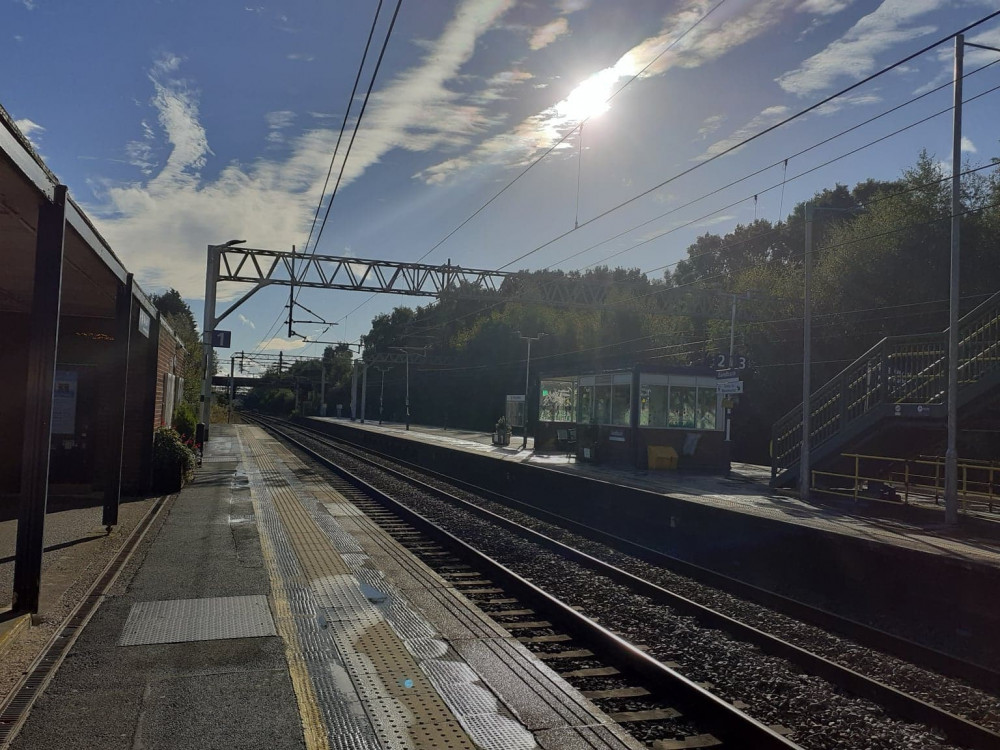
(897, 370)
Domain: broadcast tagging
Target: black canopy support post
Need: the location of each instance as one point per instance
(42, 348)
(151, 376)
(118, 383)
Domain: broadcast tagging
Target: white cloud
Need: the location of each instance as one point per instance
(853, 55)
(968, 145)
(29, 4)
(571, 6)
(246, 321)
(705, 43)
(767, 117)
(277, 122)
(300, 56)
(27, 127)
(276, 343)
(543, 36)
(161, 226)
(710, 124)
(824, 7)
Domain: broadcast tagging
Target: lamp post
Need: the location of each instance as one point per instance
(381, 393)
(406, 352)
(208, 322)
(527, 370)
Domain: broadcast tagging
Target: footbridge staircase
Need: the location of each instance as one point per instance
(893, 395)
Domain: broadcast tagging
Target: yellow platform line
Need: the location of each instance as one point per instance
(313, 728)
(318, 560)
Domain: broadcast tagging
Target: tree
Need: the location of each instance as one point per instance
(179, 317)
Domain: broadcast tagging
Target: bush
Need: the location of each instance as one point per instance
(173, 461)
(185, 420)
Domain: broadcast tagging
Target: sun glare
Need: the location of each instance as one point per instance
(590, 98)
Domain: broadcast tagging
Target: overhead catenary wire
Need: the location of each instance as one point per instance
(749, 139)
(357, 125)
(784, 161)
(553, 147)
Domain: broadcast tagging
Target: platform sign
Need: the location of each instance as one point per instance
(514, 410)
(730, 374)
(144, 321)
(222, 339)
(729, 386)
(64, 392)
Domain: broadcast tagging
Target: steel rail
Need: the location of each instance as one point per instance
(901, 704)
(725, 721)
(867, 635)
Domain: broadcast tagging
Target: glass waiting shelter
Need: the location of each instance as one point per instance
(629, 416)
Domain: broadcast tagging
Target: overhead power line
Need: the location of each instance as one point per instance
(770, 129)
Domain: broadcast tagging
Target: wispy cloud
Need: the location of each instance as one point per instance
(968, 145)
(29, 4)
(703, 44)
(545, 35)
(276, 343)
(27, 127)
(854, 55)
(710, 124)
(824, 7)
(300, 56)
(767, 117)
(246, 321)
(270, 201)
(276, 123)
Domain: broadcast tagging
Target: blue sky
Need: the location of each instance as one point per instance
(179, 123)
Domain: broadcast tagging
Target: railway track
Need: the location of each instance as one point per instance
(898, 703)
(650, 699)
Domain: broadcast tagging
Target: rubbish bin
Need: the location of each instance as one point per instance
(661, 457)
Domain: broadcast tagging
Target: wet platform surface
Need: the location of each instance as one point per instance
(263, 610)
(746, 490)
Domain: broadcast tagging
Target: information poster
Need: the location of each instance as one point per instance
(64, 403)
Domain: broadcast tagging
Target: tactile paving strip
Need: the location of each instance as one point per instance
(399, 704)
(186, 620)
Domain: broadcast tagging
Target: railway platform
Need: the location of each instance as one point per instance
(744, 491)
(261, 609)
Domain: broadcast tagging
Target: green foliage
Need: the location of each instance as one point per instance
(179, 317)
(185, 420)
(173, 461)
(880, 267)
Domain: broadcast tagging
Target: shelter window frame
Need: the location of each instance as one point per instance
(557, 399)
(679, 402)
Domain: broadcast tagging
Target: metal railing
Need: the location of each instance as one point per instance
(897, 370)
(920, 479)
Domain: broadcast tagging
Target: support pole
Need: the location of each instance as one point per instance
(42, 349)
(364, 390)
(322, 388)
(208, 326)
(732, 350)
(232, 387)
(354, 390)
(407, 390)
(804, 466)
(118, 367)
(951, 454)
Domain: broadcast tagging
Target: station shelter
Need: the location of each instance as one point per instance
(87, 366)
(644, 417)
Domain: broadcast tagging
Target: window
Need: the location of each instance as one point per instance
(653, 406)
(585, 404)
(683, 400)
(602, 404)
(558, 401)
(621, 404)
(707, 408)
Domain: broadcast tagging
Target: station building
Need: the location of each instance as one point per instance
(643, 417)
(87, 367)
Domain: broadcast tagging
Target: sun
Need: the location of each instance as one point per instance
(590, 98)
